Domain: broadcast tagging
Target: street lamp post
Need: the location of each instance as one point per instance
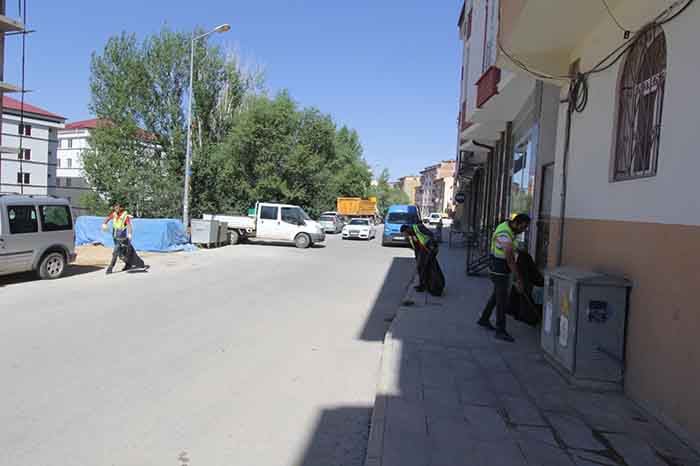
(188, 153)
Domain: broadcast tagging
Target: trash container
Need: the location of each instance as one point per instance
(584, 322)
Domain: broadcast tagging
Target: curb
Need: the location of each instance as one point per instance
(375, 443)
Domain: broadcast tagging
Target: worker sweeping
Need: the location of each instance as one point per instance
(503, 264)
(425, 246)
(122, 233)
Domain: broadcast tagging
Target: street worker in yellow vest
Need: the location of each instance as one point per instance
(423, 243)
(503, 263)
(122, 233)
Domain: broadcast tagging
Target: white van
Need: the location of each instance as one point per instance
(36, 234)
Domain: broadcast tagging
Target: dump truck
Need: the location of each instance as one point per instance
(357, 207)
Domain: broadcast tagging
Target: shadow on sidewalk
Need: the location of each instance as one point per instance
(392, 291)
(451, 394)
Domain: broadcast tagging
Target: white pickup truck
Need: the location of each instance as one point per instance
(273, 222)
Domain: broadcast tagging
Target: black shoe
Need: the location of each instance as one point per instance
(419, 288)
(126, 267)
(486, 324)
(503, 335)
(108, 271)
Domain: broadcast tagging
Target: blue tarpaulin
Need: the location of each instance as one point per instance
(154, 235)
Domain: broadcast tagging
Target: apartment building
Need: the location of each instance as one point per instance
(600, 99)
(432, 194)
(409, 185)
(71, 183)
(30, 142)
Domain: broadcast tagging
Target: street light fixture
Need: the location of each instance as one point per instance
(188, 155)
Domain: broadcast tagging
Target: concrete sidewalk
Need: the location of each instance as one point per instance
(451, 395)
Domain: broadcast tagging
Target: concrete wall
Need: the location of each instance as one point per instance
(646, 229)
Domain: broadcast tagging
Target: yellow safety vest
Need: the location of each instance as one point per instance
(119, 221)
(503, 228)
(422, 239)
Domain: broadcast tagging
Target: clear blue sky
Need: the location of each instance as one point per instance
(389, 68)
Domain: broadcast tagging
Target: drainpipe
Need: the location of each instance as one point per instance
(564, 178)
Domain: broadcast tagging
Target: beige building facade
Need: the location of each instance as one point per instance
(409, 185)
(430, 197)
(616, 162)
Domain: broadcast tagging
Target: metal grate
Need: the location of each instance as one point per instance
(641, 106)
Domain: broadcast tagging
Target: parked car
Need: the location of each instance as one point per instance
(396, 217)
(36, 234)
(273, 222)
(359, 228)
(434, 219)
(331, 223)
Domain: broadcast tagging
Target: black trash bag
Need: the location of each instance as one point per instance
(128, 255)
(433, 278)
(523, 308)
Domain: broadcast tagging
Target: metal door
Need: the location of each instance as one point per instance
(290, 217)
(268, 222)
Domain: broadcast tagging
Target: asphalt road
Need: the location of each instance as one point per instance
(246, 355)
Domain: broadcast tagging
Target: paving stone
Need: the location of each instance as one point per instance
(552, 401)
(573, 432)
(442, 404)
(450, 444)
(405, 435)
(485, 423)
(438, 376)
(503, 453)
(662, 440)
(490, 360)
(634, 451)
(477, 392)
(410, 382)
(467, 370)
(590, 459)
(540, 454)
(521, 411)
(504, 383)
(542, 435)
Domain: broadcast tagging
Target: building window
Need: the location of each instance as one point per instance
(23, 178)
(69, 163)
(25, 130)
(640, 107)
(69, 143)
(27, 154)
(59, 163)
(68, 182)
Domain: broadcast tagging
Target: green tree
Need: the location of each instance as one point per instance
(139, 91)
(247, 147)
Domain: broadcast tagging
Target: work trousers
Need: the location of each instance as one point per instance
(498, 300)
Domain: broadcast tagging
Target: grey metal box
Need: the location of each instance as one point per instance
(223, 233)
(583, 329)
(205, 231)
